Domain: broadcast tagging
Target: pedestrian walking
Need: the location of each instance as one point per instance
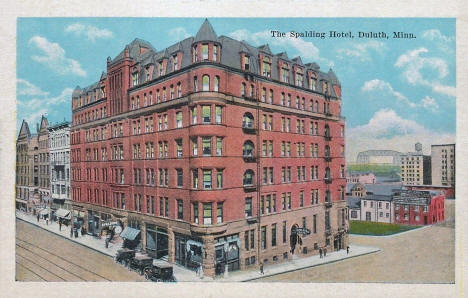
(60, 224)
(261, 269)
(321, 253)
(38, 216)
(202, 274)
(347, 250)
(325, 252)
(71, 231)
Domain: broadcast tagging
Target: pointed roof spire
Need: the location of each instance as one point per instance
(24, 130)
(298, 60)
(206, 33)
(265, 48)
(333, 77)
(44, 123)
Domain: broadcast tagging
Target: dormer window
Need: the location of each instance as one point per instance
(215, 53)
(245, 62)
(325, 88)
(195, 54)
(266, 68)
(205, 51)
(103, 91)
(134, 78)
(285, 73)
(160, 68)
(313, 82)
(175, 63)
(148, 77)
(299, 78)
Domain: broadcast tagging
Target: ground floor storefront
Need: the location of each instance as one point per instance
(211, 250)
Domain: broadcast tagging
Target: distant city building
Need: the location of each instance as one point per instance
(32, 167)
(447, 191)
(355, 177)
(418, 207)
(416, 167)
(59, 150)
(389, 157)
(443, 165)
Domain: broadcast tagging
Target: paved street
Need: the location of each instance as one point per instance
(421, 256)
(43, 256)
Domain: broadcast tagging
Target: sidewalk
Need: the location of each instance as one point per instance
(182, 274)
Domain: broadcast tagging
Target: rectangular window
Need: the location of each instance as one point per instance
(248, 207)
(263, 239)
(252, 243)
(273, 235)
(284, 231)
(219, 179)
(206, 146)
(207, 179)
(218, 115)
(195, 213)
(195, 178)
(204, 51)
(219, 213)
(315, 223)
(207, 213)
(194, 115)
(206, 114)
(180, 179)
(180, 209)
(246, 241)
(219, 146)
(179, 151)
(179, 119)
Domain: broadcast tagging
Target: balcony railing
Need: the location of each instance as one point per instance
(328, 231)
(327, 138)
(249, 158)
(328, 158)
(328, 204)
(328, 180)
(249, 130)
(249, 187)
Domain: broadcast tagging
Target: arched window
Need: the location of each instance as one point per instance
(243, 87)
(248, 149)
(216, 83)
(252, 90)
(327, 131)
(195, 84)
(327, 151)
(248, 121)
(206, 83)
(327, 173)
(248, 177)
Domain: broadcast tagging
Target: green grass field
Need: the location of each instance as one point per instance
(377, 228)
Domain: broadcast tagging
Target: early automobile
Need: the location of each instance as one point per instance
(159, 271)
(139, 263)
(124, 255)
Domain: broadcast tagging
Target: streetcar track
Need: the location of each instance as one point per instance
(57, 256)
(30, 270)
(47, 260)
(42, 267)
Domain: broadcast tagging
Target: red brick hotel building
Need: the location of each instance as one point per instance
(217, 152)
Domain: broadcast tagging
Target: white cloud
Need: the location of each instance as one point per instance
(178, 33)
(427, 102)
(27, 88)
(35, 117)
(91, 32)
(361, 51)
(305, 49)
(32, 109)
(54, 57)
(443, 42)
(430, 103)
(413, 64)
(386, 130)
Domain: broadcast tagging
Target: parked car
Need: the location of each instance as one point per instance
(124, 255)
(139, 263)
(159, 271)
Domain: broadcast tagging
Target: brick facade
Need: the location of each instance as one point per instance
(197, 127)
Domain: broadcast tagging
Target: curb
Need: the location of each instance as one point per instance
(64, 237)
(311, 266)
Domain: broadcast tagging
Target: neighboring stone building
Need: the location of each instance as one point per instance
(383, 157)
(443, 165)
(416, 167)
(214, 151)
(32, 167)
(357, 177)
(375, 201)
(23, 169)
(59, 147)
(419, 207)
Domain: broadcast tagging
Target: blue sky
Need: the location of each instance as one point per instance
(395, 91)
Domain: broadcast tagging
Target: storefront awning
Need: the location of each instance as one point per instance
(129, 233)
(63, 213)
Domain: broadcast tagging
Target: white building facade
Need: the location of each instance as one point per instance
(59, 148)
